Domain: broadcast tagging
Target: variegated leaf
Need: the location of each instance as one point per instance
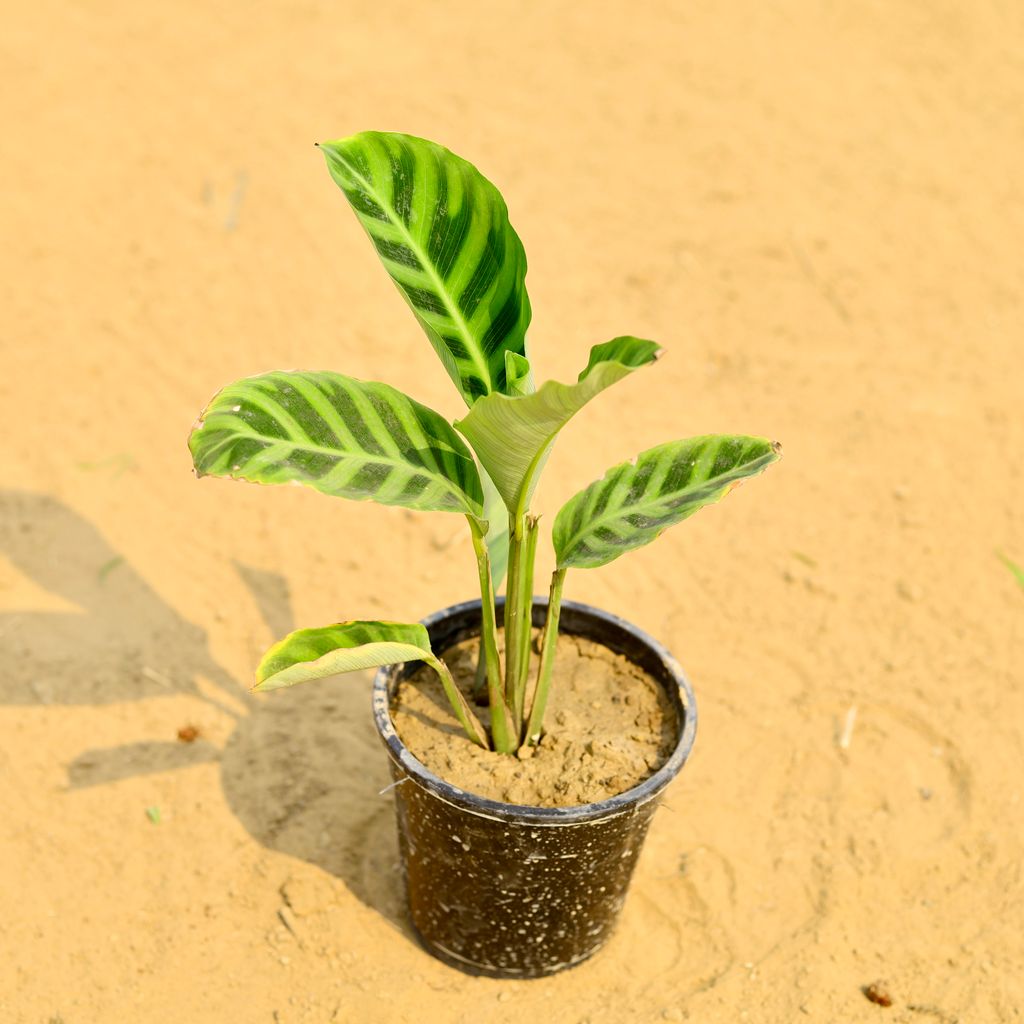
(636, 501)
(344, 647)
(350, 646)
(341, 436)
(442, 231)
(512, 435)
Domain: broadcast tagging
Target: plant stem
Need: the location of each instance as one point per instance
(547, 659)
(503, 730)
(480, 682)
(513, 610)
(514, 615)
(463, 712)
(525, 618)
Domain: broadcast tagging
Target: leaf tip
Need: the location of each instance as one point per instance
(260, 686)
(776, 448)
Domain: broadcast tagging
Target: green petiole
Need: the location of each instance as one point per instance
(547, 659)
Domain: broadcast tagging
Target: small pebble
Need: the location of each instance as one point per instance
(877, 992)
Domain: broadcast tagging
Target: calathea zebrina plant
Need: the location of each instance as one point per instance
(442, 232)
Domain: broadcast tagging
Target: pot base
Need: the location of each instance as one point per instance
(481, 971)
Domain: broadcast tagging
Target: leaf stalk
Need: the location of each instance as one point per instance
(547, 659)
(463, 712)
(504, 732)
(519, 613)
(524, 601)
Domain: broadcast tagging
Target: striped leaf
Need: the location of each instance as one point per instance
(341, 436)
(636, 501)
(512, 435)
(344, 647)
(441, 230)
(350, 646)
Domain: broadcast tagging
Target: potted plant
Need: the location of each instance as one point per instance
(503, 887)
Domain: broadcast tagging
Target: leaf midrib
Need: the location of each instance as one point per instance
(428, 265)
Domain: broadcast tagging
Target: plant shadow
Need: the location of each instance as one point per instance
(303, 770)
(117, 640)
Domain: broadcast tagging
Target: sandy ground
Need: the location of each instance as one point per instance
(816, 208)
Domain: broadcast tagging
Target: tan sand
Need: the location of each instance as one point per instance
(815, 208)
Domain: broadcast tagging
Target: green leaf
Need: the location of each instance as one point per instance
(636, 501)
(350, 646)
(441, 230)
(341, 436)
(345, 647)
(513, 435)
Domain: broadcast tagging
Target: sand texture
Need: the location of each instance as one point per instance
(815, 208)
(608, 726)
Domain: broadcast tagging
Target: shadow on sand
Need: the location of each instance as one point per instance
(303, 770)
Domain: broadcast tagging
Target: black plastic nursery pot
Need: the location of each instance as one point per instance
(513, 891)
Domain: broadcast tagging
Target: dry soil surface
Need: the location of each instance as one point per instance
(815, 208)
(607, 727)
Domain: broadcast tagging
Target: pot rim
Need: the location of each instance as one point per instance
(679, 691)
